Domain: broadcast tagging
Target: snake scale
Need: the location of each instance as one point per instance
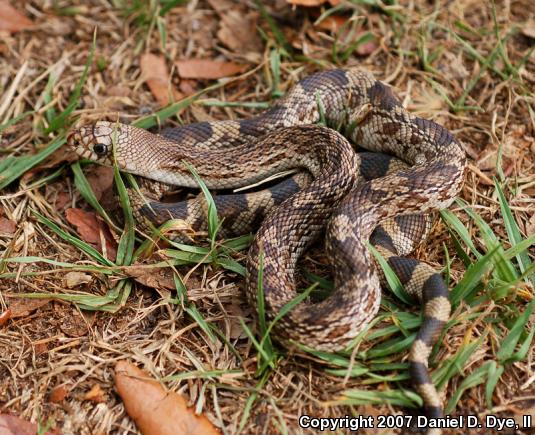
(351, 197)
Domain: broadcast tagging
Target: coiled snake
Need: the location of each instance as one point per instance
(345, 192)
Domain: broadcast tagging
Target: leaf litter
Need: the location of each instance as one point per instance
(415, 48)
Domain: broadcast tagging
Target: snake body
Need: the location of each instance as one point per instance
(337, 196)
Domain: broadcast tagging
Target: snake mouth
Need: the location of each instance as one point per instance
(81, 141)
(74, 138)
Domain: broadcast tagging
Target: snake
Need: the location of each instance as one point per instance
(411, 167)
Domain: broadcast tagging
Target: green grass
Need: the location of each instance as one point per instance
(11, 167)
(59, 122)
(283, 45)
(147, 15)
(497, 271)
(495, 291)
(117, 296)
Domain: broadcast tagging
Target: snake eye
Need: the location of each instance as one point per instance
(100, 149)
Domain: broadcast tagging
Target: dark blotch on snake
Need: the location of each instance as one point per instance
(335, 77)
(403, 267)
(434, 287)
(382, 96)
(197, 132)
(374, 165)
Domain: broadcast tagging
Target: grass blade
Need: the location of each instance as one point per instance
(213, 220)
(59, 121)
(475, 378)
(513, 231)
(391, 277)
(511, 340)
(83, 186)
(75, 241)
(16, 166)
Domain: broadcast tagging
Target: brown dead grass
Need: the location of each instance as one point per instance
(56, 347)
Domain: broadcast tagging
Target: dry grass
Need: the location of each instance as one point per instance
(57, 347)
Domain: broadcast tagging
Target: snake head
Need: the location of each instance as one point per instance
(94, 142)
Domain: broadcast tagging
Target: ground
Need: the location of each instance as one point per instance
(468, 65)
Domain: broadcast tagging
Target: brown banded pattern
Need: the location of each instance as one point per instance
(346, 196)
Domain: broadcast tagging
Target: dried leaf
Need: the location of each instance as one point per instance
(332, 23)
(367, 47)
(62, 199)
(158, 278)
(11, 20)
(529, 29)
(154, 72)
(95, 394)
(12, 425)
(307, 3)
(100, 178)
(92, 230)
(187, 87)
(237, 28)
(155, 410)
(5, 316)
(7, 226)
(73, 279)
(41, 348)
(207, 69)
(22, 307)
(58, 394)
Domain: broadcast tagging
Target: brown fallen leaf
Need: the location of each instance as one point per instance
(22, 307)
(332, 23)
(367, 47)
(158, 278)
(62, 199)
(307, 3)
(95, 394)
(313, 3)
(58, 394)
(7, 226)
(91, 229)
(12, 425)
(5, 316)
(237, 28)
(529, 29)
(207, 69)
(100, 178)
(154, 72)
(41, 348)
(187, 87)
(73, 279)
(155, 410)
(11, 20)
